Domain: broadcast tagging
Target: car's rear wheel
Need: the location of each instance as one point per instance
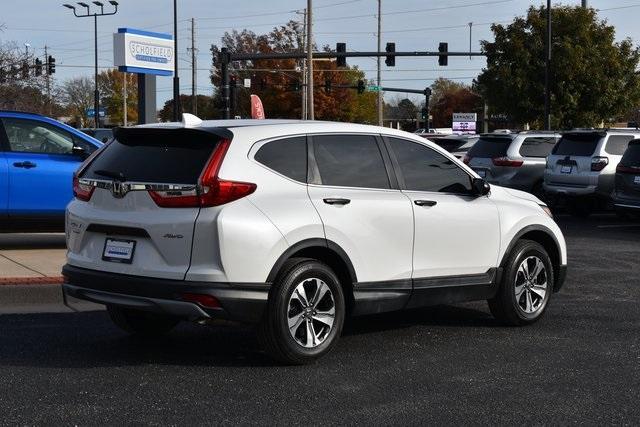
(141, 323)
(526, 286)
(304, 314)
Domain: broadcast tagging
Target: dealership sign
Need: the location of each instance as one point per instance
(143, 52)
(464, 122)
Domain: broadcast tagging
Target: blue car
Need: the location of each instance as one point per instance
(38, 157)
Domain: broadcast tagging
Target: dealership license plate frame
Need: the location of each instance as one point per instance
(636, 180)
(566, 169)
(110, 247)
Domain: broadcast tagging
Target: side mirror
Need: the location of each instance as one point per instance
(79, 151)
(480, 187)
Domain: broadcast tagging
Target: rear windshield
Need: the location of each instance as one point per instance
(490, 147)
(450, 144)
(632, 155)
(172, 156)
(582, 144)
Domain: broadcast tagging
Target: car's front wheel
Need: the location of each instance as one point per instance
(526, 286)
(141, 323)
(304, 314)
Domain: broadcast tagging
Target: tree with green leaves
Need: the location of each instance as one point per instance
(111, 85)
(593, 77)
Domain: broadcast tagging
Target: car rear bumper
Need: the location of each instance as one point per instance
(569, 189)
(243, 302)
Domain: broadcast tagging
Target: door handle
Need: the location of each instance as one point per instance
(336, 201)
(425, 202)
(26, 165)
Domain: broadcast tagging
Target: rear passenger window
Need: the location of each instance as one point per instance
(286, 156)
(423, 169)
(536, 146)
(617, 144)
(350, 161)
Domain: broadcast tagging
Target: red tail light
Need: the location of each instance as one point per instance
(628, 169)
(466, 159)
(82, 191)
(212, 190)
(599, 163)
(505, 161)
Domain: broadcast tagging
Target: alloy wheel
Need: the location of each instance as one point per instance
(311, 312)
(531, 285)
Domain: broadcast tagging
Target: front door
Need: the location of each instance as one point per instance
(457, 234)
(364, 215)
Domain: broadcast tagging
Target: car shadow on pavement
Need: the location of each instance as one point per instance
(89, 340)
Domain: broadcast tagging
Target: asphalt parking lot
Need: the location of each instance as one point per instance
(445, 364)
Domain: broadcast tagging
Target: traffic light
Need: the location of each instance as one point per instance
(361, 87)
(327, 85)
(341, 61)
(423, 113)
(443, 48)
(38, 67)
(3, 76)
(296, 86)
(51, 65)
(390, 60)
(25, 70)
(263, 84)
(233, 81)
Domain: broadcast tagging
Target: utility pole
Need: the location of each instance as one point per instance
(48, 80)
(124, 99)
(470, 29)
(547, 65)
(310, 112)
(194, 74)
(378, 61)
(176, 79)
(304, 68)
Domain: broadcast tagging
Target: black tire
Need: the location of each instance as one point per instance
(274, 329)
(141, 323)
(504, 306)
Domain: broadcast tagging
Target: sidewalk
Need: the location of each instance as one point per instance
(31, 258)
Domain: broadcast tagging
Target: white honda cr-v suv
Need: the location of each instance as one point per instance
(295, 225)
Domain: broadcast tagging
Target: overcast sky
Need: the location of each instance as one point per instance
(411, 24)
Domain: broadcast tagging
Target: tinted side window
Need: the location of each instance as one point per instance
(286, 156)
(632, 155)
(537, 146)
(424, 169)
(32, 136)
(350, 161)
(617, 144)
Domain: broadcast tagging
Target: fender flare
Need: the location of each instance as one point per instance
(311, 243)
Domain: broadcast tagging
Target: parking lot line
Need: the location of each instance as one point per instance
(618, 225)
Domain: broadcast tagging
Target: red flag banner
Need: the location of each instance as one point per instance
(257, 112)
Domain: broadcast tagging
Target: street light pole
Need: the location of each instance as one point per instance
(547, 65)
(310, 112)
(96, 94)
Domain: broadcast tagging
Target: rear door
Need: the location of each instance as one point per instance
(121, 216)
(40, 166)
(361, 208)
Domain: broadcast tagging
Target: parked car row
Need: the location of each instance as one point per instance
(582, 169)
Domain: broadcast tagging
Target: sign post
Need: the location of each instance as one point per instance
(148, 55)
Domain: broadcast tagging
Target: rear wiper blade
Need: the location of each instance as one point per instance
(118, 176)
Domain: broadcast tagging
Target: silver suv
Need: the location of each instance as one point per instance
(515, 160)
(582, 166)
